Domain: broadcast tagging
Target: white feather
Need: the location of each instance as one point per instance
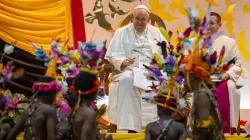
(99, 43)
(182, 66)
(81, 45)
(247, 127)
(71, 52)
(182, 103)
(149, 96)
(8, 49)
(180, 35)
(64, 85)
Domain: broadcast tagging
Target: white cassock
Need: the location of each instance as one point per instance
(231, 51)
(124, 108)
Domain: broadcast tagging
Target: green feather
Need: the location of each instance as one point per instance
(164, 33)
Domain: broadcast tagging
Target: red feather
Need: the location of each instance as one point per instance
(222, 52)
(153, 86)
(225, 67)
(178, 47)
(153, 61)
(170, 33)
(213, 57)
(187, 32)
(180, 61)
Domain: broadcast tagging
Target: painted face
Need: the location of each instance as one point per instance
(140, 19)
(213, 26)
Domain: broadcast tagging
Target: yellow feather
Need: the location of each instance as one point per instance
(158, 59)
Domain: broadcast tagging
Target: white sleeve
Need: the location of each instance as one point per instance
(235, 70)
(115, 53)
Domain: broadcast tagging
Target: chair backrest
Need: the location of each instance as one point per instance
(154, 19)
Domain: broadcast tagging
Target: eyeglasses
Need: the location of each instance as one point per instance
(143, 20)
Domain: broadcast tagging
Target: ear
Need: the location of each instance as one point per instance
(220, 24)
(149, 18)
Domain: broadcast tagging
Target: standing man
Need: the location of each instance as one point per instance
(131, 46)
(228, 97)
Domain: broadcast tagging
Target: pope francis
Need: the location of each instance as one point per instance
(131, 46)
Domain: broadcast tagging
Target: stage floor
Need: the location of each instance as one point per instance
(140, 136)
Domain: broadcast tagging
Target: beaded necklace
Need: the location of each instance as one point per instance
(28, 124)
(70, 136)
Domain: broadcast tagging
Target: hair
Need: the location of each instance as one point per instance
(45, 79)
(85, 81)
(163, 110)
(217, 16)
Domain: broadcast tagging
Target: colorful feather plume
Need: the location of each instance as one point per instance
(90, 55)
(163, 46)
(62, 103)
(7, 71)
(40, 54)
(13, 106)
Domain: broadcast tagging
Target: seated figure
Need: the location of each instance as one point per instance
(131, 46)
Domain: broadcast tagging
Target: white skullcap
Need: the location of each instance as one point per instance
(142, 7)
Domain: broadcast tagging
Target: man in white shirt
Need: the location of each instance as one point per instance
(131, 46)
(228, 97)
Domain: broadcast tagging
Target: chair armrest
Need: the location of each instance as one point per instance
(107, 69)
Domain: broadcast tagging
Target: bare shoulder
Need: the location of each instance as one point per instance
(88, 112)
(151, 125)
(178, 125)
(48, 109)
(25, 114)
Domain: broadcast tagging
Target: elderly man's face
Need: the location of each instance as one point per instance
(213, 26)
(140, 19)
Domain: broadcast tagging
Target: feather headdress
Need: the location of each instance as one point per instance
(48, 86)
(201, 60)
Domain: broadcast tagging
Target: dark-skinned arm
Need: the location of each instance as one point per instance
(148, 133)
(18, 127)
(88, 131)
(50, 114)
